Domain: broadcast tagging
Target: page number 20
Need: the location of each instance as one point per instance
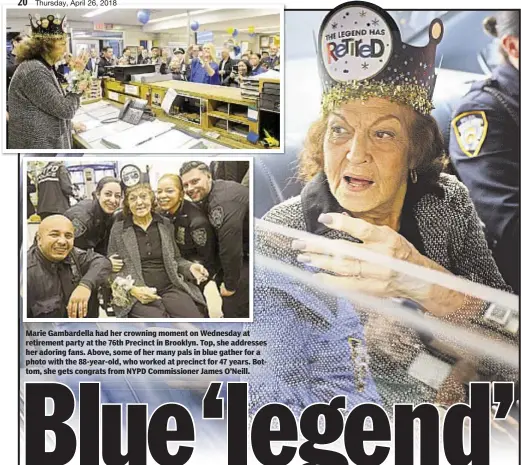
(22, 2)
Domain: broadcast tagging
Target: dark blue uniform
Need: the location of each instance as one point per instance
(484, 149)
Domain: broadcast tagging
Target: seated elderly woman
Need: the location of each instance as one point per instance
(372, 165)
(154, 281)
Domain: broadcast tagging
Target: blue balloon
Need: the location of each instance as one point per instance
(194, 25)
(236, 50)
(235, 33)
(143, 16)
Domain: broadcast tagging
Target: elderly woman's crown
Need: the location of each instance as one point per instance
(48, 26)
(361, 55)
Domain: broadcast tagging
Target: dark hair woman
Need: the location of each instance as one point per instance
(155, 281)
(40, 110)
(235, 78)
(92, 218)
(194, 234)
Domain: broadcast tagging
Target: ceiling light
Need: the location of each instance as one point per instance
(97, 12)
(182, 15)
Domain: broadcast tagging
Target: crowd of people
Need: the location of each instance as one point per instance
(45, 82)
(199, 63)
(141, 252)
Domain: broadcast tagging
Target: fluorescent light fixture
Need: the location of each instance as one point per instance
(97, 12)
(182, 15)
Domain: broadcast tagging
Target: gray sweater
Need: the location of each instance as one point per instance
(291, 313)
(123, 242)
(40, 112)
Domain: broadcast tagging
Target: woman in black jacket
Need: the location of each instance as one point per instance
(194, 234)
(92, 219)
(235, 78)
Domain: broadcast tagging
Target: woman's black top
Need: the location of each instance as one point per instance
(150, 252)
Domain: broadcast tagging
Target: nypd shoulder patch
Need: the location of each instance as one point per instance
(470, 129)
(180, 235)
(216, 217)
(79, 227)
(199, 236)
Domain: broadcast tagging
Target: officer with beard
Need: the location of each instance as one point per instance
(226, 204)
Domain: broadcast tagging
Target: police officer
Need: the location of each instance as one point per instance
(484, 147)
(227, 206)
(92, 219)
(194, 234)
(61, 279)
(54, 189)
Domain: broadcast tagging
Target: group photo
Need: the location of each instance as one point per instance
(164, 238)
(160, 80)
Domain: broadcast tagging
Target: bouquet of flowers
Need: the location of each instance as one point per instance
(79, 80)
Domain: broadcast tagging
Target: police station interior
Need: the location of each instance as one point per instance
(74, 187)
(145, 56)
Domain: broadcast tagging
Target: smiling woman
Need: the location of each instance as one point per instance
(373, 170)
(154, 281)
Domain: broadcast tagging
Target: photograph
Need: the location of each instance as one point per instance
(144, 81)
(154, 239)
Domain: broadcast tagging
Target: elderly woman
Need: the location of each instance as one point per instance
(40, 110)
(154, 281)
(372, 165)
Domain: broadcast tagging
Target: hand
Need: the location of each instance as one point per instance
(199, 272)
(79, 127)
(232, 75)
(225, 292)
(83, 86)
(144, 294)
(78, 302)
(117, 263)
(372, 278)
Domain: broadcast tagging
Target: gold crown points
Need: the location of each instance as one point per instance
(412, 95)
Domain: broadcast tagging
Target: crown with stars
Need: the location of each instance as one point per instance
(48, 26)
(361, 55)
(132, 176)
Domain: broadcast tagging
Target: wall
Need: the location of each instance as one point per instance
(131, 37)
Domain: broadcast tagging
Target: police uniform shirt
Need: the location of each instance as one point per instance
(91, 225)
(54, 189)
(195, 236)
(151, 254)
(484, 149)
(227, 205)
(50, 285)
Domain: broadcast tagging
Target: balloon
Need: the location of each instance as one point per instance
(251, 30)
(237, 50)
(194, 25)
(252, 34)
(143, 16)
(235, 33)
(230, 30)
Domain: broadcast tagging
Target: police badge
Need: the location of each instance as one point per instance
(216, 217)
(199, 237)
(470, 129)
